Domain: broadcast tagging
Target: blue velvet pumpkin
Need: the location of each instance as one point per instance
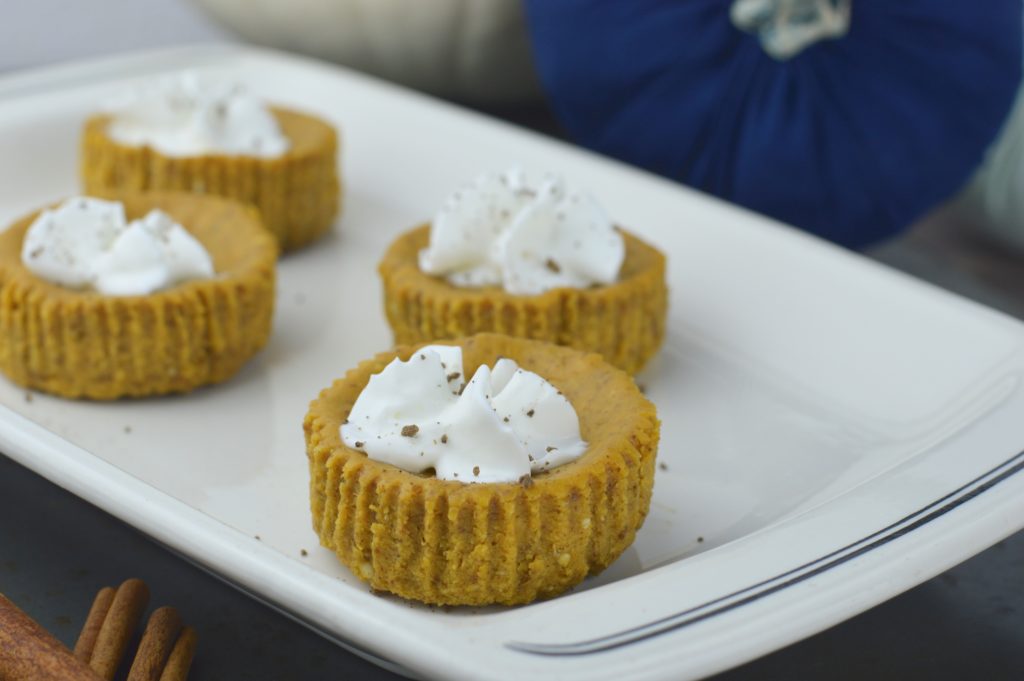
(851, 138)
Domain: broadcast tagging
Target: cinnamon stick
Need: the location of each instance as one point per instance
(118, 626)
(91, 629)
(180, 659)
(157, 643)
(29, 653)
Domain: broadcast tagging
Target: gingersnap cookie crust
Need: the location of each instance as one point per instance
(623, 321)
(453, 543)
(77, 343)
(298, 193)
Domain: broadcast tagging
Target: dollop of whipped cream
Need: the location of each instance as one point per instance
(501, 426)
(500, 230)
(88, 243)
(185, 116)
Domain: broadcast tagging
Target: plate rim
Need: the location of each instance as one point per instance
(120, 493)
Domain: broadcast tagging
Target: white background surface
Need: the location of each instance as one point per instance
(40, 32)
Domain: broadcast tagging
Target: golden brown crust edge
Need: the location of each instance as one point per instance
(624, 321)
(298, 194)
(450, 543)
(82, 344)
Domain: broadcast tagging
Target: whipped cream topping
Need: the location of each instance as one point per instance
(184, 116)
(501, 426)
(501, 231)
(89, 243)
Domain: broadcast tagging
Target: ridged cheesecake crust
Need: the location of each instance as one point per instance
(298, 194)
(453, 543)
(624, 321)
(85, 344)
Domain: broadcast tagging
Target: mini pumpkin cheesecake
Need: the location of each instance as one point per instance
(564, 274)
(78, 342)
(289, 173)
(459, 542)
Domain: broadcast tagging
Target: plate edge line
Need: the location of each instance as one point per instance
(783, 580)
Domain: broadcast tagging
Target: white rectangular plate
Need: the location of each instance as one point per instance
(833, 432)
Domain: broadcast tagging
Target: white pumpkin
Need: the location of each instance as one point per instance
(994, 198)
(476, 50)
